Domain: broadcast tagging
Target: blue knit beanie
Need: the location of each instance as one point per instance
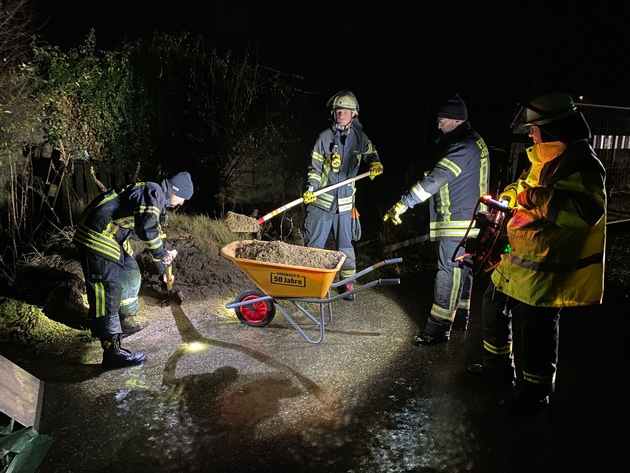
(181, 185)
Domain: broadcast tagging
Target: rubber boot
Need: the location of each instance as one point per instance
(436, 331)
(497, 367)
(130, 326)
(460, 322)
(347, 288)
(114, 356)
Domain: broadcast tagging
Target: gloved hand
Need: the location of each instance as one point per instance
(395, 212)
(376, 169)
(309, 197)
(170, 256)
(506, 199)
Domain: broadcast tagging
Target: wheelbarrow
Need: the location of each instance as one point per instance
(278, 283)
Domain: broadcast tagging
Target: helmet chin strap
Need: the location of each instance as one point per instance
(343, 128)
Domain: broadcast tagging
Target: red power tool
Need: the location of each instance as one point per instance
(483, 251)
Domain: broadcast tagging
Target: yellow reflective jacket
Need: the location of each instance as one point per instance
(557, 246)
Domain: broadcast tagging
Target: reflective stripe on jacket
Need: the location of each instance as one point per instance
(353, 146)
(557, 247)
(122, 213)
(455, 183)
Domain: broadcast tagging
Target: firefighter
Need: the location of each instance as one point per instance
(337, 155)
(557, 237)
(453, 188)
(112, 276)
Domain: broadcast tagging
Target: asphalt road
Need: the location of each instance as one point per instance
(217, 396)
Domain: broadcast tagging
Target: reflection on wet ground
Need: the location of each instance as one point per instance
(217, 396)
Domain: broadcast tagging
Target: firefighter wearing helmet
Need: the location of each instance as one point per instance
(338, 154)
(557, 238)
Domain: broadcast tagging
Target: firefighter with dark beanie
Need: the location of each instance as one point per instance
(453, 187)
(557, 236)
(102, 237)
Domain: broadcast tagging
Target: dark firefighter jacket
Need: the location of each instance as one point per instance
(455, 183)
(352, 146)
(125, 212)
(557, 243)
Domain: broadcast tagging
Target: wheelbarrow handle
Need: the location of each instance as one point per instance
(389, 281)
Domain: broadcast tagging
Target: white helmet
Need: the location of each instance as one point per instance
(344, 100)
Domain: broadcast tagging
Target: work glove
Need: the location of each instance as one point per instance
(308, 196)
(170, 256)
(395, 212)
(376, 169)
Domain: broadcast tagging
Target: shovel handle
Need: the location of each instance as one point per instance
(169, 278)
(295, 202)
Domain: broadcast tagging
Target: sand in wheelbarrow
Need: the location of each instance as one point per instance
(239, 223)
(284, 253)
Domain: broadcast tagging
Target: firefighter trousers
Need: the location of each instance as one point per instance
(452, 290)
(317, 227)
(104, 288)
(539, 335)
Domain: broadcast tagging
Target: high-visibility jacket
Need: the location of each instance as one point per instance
(129, 211)
(455, 183)
(557, 247)
(352, 146)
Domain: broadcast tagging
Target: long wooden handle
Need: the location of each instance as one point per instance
(295, 202)
(169, 278)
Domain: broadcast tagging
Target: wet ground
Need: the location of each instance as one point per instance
(217, 396)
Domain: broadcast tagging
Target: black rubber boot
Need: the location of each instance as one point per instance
(460, 322)
(114, 356)
(435, 332)
(130, 326)
(497, 367)
(526, 400)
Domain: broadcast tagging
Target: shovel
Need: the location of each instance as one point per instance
(243, 224)
(177, 296)
(295, 202)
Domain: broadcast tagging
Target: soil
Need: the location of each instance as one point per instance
(284, 253)
(239, 223)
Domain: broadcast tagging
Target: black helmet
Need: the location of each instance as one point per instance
(548, 108)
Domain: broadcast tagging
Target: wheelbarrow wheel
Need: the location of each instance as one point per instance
(256, 314)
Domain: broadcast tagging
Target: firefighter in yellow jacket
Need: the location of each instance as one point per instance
(557, 237)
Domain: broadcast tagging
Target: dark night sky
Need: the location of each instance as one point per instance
(399, 58)
(396, 48)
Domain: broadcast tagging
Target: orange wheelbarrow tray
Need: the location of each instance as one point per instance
(296, 285)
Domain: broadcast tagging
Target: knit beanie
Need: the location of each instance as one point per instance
(454, 108)
(181, 185)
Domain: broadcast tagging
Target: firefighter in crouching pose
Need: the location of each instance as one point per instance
(557, 238)
(336, 156)
(112, 276)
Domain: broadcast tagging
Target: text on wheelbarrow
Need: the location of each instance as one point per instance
(287, 279)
